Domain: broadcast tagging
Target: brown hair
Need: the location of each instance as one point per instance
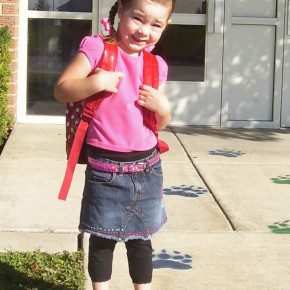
(126, 3)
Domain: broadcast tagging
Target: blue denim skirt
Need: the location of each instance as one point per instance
(123, 206)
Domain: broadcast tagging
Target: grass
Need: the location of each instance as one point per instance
(41, 270)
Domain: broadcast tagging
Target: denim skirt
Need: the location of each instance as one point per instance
(123, 206)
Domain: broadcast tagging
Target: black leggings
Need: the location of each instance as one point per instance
(139, 254)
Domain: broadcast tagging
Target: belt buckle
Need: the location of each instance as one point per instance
(146, 164)
(147, 167)
(139, 163)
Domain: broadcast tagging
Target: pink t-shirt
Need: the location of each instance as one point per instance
(117, 123)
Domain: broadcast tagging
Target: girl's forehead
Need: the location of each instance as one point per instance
(151, 8)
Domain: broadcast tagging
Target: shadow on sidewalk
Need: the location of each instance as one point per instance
(231, 133)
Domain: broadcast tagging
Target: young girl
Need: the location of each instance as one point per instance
(125, 205)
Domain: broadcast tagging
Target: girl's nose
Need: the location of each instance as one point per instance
(144, 29)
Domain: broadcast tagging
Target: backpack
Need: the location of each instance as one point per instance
(79, 114)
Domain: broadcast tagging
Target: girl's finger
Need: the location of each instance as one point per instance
(141, 103)
(98, 70)
(119, 74)
(146, 88)
(143, 87)
(142, 98)
(144, 93)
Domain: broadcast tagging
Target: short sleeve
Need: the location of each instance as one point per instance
(93, 47)
(163, 69)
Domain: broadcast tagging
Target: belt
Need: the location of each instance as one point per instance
(123, 167)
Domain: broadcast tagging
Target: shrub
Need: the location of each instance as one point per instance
(41, 270)
(6, 119)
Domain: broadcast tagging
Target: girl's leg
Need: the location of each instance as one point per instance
(139, 253)
(142, 286)
(100, 261)
(101, 285)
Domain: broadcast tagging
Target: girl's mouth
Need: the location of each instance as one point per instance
(138, 40)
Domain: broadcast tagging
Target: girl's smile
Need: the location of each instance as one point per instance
(141, 24)
(138, 40)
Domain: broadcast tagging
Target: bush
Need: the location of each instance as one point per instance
(6, 119)
(41, 270)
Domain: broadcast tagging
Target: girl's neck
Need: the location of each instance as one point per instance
(125, 49)
(133, 54)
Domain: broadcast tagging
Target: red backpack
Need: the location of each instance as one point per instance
(79, 114)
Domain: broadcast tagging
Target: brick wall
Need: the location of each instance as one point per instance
(9, 15)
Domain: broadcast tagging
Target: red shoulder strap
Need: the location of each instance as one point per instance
(108, 62)
(151, 78)
(150, 70)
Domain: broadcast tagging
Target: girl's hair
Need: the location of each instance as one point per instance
(126, 3)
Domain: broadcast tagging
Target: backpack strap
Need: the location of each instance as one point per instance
(151, 78)
(108, 62)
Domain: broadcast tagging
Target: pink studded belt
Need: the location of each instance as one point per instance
(123, 167)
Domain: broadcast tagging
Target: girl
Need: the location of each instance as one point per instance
(126, 205)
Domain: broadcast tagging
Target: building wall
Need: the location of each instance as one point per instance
(9, 15)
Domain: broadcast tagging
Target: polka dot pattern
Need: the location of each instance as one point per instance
(73, 117)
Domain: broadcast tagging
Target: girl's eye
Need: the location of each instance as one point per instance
(137, 18)
(157, 25)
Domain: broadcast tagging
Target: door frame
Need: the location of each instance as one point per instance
(285, 91)
(279, 23)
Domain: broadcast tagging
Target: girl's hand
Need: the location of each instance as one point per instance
(153, 100)
(106, 80)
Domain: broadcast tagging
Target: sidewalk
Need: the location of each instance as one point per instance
(226, 192)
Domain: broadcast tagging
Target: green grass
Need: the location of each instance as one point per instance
(40, 270)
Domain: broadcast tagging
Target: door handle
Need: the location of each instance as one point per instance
(214, 16)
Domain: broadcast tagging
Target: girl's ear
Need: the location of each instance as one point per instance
(120, 9)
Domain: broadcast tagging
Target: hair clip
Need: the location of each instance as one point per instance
(106, 24)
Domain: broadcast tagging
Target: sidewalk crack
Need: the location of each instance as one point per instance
(205, 182)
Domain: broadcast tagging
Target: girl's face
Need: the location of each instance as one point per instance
(141, 25)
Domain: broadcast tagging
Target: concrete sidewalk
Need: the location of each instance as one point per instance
(226, 192)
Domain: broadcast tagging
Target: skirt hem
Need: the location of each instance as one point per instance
(125, 239)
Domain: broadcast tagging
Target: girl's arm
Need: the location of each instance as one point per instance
(163, 117)
(75, 85)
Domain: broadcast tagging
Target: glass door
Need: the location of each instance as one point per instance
(192, 46)
(51, 33)
(253, 54)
